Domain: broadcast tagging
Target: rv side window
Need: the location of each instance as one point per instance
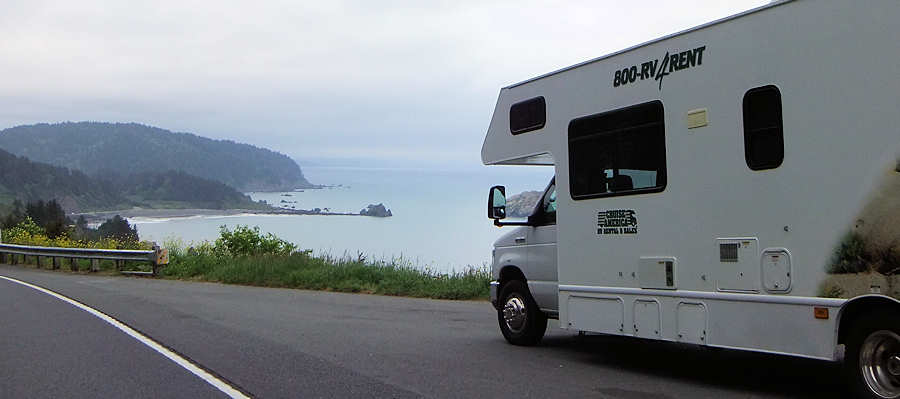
(763, 129)
(618, 153)
(527, 115)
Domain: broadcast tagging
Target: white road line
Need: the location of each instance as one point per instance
(187, 364)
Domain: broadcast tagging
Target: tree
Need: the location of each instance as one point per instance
(49, 215)
(16, 216)
(119, 229)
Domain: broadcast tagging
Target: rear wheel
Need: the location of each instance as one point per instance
(872, 359)
(521, 321)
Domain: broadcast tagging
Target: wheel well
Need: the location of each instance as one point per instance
(510, 273)
(857, 307)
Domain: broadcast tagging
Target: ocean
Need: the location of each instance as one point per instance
(440, 217)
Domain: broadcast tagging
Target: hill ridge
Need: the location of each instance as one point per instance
(129, 147)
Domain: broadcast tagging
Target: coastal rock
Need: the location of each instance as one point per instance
(376, 211)
(522, 204)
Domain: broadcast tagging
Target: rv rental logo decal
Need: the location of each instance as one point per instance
(617, 222)
(660, 67)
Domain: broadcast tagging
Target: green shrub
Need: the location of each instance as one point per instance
(26, 227)
(246, 241)
(850, 256)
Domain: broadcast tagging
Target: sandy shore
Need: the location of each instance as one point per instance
(159, 213)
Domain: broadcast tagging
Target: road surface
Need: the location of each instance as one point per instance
(269, 342)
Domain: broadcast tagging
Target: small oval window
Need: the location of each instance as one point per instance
(528, 115)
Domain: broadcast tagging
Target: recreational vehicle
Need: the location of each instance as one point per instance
(734, 185)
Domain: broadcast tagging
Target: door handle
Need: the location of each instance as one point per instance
(520, 240)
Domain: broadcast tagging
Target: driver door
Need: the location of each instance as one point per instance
(541, 239)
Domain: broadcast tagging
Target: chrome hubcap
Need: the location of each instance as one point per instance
(514, 314)
(894, 365)
(879, 362)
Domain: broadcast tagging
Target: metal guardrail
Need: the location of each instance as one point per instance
(157, 257)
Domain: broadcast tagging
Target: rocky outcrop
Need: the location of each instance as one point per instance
(376, 210)
(522, 204)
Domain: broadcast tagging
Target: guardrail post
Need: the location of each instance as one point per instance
(95, 265)
(13, 259)
(73, 264)
(39, 260)
(160, 258)
(2, 257)
(55, 263)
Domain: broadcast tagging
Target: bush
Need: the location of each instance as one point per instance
(857, 254)
(246, 241)
(850, 256)
(25, 228)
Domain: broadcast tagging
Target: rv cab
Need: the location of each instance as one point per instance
(527, 255)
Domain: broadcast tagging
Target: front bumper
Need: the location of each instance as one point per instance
(495, 285)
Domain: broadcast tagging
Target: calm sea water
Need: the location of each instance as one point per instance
(440, 217)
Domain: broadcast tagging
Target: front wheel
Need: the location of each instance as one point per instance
(521, 321)
(872, 360)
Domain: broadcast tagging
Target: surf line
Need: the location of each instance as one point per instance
(179, 360)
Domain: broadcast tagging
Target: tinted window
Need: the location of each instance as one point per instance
(763, 131)
(527, 115)
(618, 152)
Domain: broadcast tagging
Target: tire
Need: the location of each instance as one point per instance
(872, 356)
(521, 321)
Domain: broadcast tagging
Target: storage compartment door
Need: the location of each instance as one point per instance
(691, 319)
(602, 315)
(646, 318)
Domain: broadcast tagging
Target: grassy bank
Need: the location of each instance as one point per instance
(245, 256)
(304, 271)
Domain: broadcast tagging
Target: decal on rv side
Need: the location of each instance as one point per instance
(616, 222)
(660, 67)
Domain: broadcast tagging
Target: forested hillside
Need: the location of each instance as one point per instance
(175, 189)
(30, 181)
(127, 148)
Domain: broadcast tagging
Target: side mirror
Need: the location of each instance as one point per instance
(497, 203)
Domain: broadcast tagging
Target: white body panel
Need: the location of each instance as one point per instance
(837, 66)
(541, 274)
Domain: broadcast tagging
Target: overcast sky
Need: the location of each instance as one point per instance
(332, 81)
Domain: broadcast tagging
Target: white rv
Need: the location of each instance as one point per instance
(734, 185)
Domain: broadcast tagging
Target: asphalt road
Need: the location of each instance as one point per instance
(292, 343)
